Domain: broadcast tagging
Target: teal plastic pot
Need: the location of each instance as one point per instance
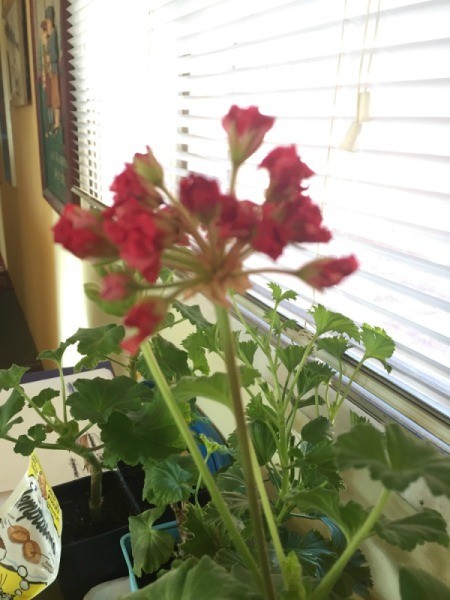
(125, 543)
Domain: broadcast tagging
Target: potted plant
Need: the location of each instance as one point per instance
(95, 508)
(241, 544)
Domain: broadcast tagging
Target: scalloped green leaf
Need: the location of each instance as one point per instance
(327, 320)
(396, 458)
(10, 378)
(172, 361)
(416, 584)
(201, 538)
(196, 353)
(45, 396)
(97, 344)
(291, 356)
(148, 433)
(8, 410)
(313, 374)
(337, 345)
(55, 355)
(247, 350)
(195, 580)
(425, 526)
(151, 547)
(263, 441)
(169, 483)
(215, 387)
(317, 430)
(278, 295)
(37, 432)
(377, 345)
(24, 445)
(95, 399)
(193, 314)
(312, 549)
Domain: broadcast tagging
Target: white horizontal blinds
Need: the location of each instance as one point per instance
(387, 201)
(124, 89)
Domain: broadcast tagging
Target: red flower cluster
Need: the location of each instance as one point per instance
(205, 233)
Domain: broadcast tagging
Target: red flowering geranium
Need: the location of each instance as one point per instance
(204, 233)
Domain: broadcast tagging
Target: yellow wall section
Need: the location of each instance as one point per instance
(27, 220)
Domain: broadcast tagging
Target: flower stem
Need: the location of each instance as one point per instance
(197, 457)
(244, 446)
(326, 585)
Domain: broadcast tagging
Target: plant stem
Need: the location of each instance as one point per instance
(244, 446)
(63, 392)
(197, 457)
(326, 585)
(95, 499)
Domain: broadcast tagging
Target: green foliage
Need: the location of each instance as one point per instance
(196, 353)
(337, 345)
(416, 584)
(10, 409)
(377, 344)
(215, 387)
(314, 374)
(195, 580)
(97, 344)
(316, 430)
(172, 361)
(151, 547)
(425, 526)
(201, 537)
(117, 308)
(166, 482)
(312, 549)
(395, 457)
(193, 314)
(10, 378)
(263, 441)
(45, 397)
(327, 320)
(95, 399)
(278, 295)
(291, 356)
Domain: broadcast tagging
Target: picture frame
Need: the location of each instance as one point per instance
(49, 24)
(15, 30)
(8, 171)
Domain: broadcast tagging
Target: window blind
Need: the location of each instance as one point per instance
(361, 86)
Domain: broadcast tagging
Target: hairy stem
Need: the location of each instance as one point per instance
(326, 585)
(244, 446)
(197, 457)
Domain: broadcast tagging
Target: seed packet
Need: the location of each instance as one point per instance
(30, 536)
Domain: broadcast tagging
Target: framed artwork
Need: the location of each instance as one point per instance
(52, 81)
(17, 52)
(6, 147)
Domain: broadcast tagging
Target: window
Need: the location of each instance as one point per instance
(361, 86)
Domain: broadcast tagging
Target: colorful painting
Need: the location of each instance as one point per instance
(52, 102)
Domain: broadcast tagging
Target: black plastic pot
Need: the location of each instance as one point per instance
(91, 553)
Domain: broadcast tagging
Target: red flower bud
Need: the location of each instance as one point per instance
(129, 185)
(201, 196)
(286, 172)
(146, 316)
(116, 286)
(80, 232)
(147, 167)
(326, 272)
(246, 128)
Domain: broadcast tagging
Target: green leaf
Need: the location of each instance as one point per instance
(407, 533)
(37, 432)
(337, 346)
(147, 433)
(55, 355)
(95, 399)
(117, 308)
(196, 580)
(48, 410)
(172, 361)
(196, 353)
(10, 378)
(247, 350)
(356, 419)
(313, 374)
(291, 356)
(317, 430)
(311, 401)
(206, 338)
(312, 549)
(263, 441)
(348, 517)
(416, 584)
(317, 463)
(193, 314)
(248, 375)
(24, 445)
(201, 537)
(97, 344)
(10, 409)
(69, 433)
(45, 396)
(278, 295)
(377, 344)
(151, 547)
(168, 483)
(327, 320)
(215, 387)
(182, 461)
(396, 458)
